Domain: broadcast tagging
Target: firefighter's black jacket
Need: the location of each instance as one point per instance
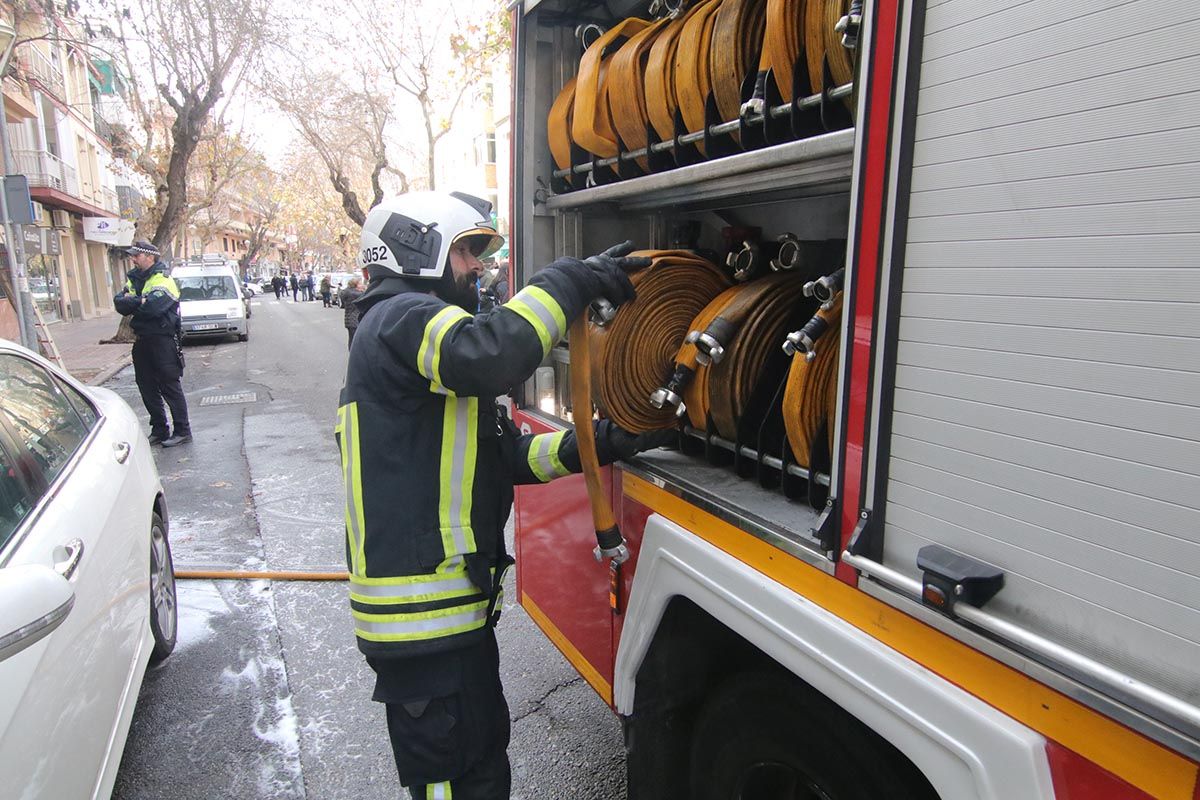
(429, 460)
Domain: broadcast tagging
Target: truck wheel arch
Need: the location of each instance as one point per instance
(690, 626)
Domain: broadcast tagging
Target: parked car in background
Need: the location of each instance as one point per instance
(87, 586)
(211, 301)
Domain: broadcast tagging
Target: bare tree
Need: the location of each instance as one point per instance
(345, 126)
(182, 57)
(437, 54)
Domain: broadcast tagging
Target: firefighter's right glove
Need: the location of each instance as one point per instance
(610, 270)
(626, 445)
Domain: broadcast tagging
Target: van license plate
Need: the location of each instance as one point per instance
(210, 326)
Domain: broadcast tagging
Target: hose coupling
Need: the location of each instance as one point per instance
(603, 311)
(849, 25)
(788, 255)
(662, 397)
(619, 554)
(754, 107)
(825, 288)
(708, 349)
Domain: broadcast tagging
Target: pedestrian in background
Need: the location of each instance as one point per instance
(326, 292)
(151, 298)
(277, 285)
(346, 297)
(295, 288)
(309, 285)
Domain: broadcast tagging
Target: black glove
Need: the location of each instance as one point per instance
(627, 445)
(610, 270)
(125, 303)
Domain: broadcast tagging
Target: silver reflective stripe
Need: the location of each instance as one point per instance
(350, 443)
(545, 463)
(459, 488)
(432, 344)
(462, 619)
(438, 791)
(543, 313)
(413, 588)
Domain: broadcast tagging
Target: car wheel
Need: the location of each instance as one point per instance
(243, 337)
(164, 605)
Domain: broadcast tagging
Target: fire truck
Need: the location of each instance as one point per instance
(989, 586)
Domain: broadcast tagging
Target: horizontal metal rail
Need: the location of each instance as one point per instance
(1120, 684)
(783, 110)
(749, 452)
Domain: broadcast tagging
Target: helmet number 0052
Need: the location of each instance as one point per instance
(373, 255)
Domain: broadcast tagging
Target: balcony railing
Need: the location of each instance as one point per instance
(38, 66)
(46, 169)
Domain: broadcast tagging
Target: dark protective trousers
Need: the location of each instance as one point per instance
(158, 369)
(448, 722)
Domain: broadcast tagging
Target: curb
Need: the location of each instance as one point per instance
(112, 369)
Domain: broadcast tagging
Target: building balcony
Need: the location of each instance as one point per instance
(46, 169)
(37, 66)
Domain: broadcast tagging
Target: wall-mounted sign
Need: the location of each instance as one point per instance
(109, 230)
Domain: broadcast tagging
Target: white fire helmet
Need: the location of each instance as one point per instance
(411, 235)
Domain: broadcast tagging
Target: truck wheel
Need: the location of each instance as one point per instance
(766, 735)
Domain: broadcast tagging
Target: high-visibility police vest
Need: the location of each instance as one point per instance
(159, 313)
(429, 461)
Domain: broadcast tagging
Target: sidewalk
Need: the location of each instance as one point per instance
(84, 356)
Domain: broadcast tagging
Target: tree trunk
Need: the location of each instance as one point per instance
(124, 334)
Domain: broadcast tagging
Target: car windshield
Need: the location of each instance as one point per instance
(207, 287)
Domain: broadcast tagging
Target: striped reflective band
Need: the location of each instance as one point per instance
(543, 456)
(161, 283)
(438, 791)
(347, 428)
(429, 356)
(411, 588)
(420, 625)
(543, 312)
(460, 423)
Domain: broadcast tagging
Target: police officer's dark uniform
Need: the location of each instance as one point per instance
(429, 462)
(152, 298)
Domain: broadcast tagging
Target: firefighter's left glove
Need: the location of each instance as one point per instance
(610, 271)
(627, 445)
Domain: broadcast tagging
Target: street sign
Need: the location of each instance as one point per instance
(109, 230)
(51, 243)
(20, 204)
(32, 239)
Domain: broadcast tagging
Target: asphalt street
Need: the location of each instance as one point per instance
(266, 695)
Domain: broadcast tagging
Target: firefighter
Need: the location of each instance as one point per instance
(429, 460)
(152, 299)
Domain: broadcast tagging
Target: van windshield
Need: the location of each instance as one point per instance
(207, 287)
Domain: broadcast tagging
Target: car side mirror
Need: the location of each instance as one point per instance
(34, 600)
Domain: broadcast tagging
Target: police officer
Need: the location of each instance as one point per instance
(152, 299)
(429, 461)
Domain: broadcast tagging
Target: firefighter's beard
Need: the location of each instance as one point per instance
(462, 291)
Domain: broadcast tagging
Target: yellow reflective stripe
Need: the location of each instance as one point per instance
(429, 355)
(420, 625)
(411, 588)
(543, 456)
(438, 791)
(460, 424)
(160, 281)
(352, 476)
(538, 308)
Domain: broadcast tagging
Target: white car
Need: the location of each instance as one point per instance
(87, 586)
(211, 301)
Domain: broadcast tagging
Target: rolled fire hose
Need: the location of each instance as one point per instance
(750, 320)
(782, 44)
(633, 354)
(558, 125)
(693, 80)
(661, 101)
(810, 395)
(823, 39)
(737, 37)
(591, 122)
(625, 88)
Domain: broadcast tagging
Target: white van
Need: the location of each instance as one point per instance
(210, 301)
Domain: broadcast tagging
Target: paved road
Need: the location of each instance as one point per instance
(266, 695)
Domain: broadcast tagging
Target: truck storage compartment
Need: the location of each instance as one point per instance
(764, 195)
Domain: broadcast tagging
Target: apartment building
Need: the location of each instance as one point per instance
(56, 102)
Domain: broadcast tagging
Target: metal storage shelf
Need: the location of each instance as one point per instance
(817, 165)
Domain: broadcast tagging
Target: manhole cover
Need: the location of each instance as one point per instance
(229, 399)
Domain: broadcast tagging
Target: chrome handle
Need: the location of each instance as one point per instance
(67, 557)
(121, 451)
